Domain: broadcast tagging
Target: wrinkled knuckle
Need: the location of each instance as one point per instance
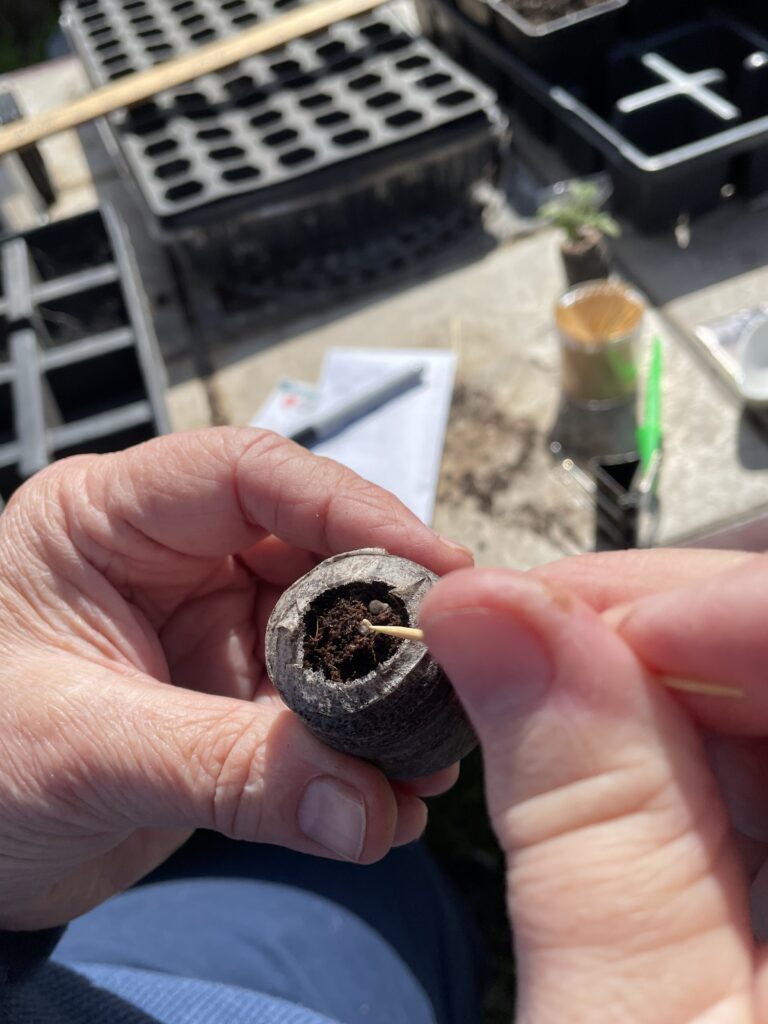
(253, 452)
(232, 761)
(244, 445)
(50, 485)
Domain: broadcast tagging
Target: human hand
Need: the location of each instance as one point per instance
(134, 592)
(634, 818)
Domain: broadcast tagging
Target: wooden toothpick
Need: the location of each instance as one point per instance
(705, 689)
(403, 632)
(685, 685)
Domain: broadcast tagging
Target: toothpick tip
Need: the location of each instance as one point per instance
(702, 689)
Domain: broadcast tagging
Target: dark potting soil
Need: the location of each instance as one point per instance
(542, 11)
(333, 642)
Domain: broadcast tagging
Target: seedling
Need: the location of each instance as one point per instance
(577, 213)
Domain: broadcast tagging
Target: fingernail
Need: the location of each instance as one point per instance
(460, 548)
(497, 663)
(332, 814)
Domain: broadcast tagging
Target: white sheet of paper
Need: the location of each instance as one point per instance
(399, 445)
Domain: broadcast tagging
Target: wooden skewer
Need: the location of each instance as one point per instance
(178, 71)
(686, 685)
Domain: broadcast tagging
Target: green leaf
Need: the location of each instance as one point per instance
(577, 210)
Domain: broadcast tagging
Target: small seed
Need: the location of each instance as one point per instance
(378, 608)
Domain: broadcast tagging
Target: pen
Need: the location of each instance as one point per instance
(649, 431)
(352, 407)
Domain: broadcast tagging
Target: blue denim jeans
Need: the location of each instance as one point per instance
(385, 944)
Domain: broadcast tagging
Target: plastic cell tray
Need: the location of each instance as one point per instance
(558, 46)
(80, 369)
(564, 44)
(318, 113)
(674, 117)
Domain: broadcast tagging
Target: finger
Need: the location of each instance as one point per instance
(626, 901)
(741, 766)
(164, 757)
(211, 644)
(711, 632)
(277, 563)
(216, 492)
(432, 785)
(411, 819)
(606, 579)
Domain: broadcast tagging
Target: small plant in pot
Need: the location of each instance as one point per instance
(586, 227)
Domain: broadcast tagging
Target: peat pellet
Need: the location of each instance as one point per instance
(375, 696)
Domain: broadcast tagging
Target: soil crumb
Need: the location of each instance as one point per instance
(542, 11)
(333, 642)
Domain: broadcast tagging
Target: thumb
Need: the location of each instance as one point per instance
(175, 758)
(626, 900)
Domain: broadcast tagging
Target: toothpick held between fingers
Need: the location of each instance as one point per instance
(703, 689)
(670, 682)
(403, 632)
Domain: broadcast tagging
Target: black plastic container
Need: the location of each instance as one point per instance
(564, 45)
(362, 103)
(670, 147)
(617, 501)
(645, 17)
(754, 12)
(80, 369)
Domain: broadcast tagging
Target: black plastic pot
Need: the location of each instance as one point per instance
(80, 369)
(587, 259)
(564, 46)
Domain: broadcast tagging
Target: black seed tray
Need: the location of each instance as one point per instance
(80, 370)
(257, 132)
(566, 43)
(674, 118)
(249, 285)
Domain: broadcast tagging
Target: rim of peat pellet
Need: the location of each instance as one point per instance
(286, 663)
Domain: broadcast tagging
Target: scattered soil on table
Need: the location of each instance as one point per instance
(494, 462)
(333, 641)
(542, 11)
(486, 448)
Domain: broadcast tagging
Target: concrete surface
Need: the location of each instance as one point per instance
(500, 492)
(41, 87)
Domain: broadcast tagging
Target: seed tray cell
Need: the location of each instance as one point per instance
(79, 365)
(359, 87)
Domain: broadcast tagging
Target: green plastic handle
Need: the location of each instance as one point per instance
(649, 432)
